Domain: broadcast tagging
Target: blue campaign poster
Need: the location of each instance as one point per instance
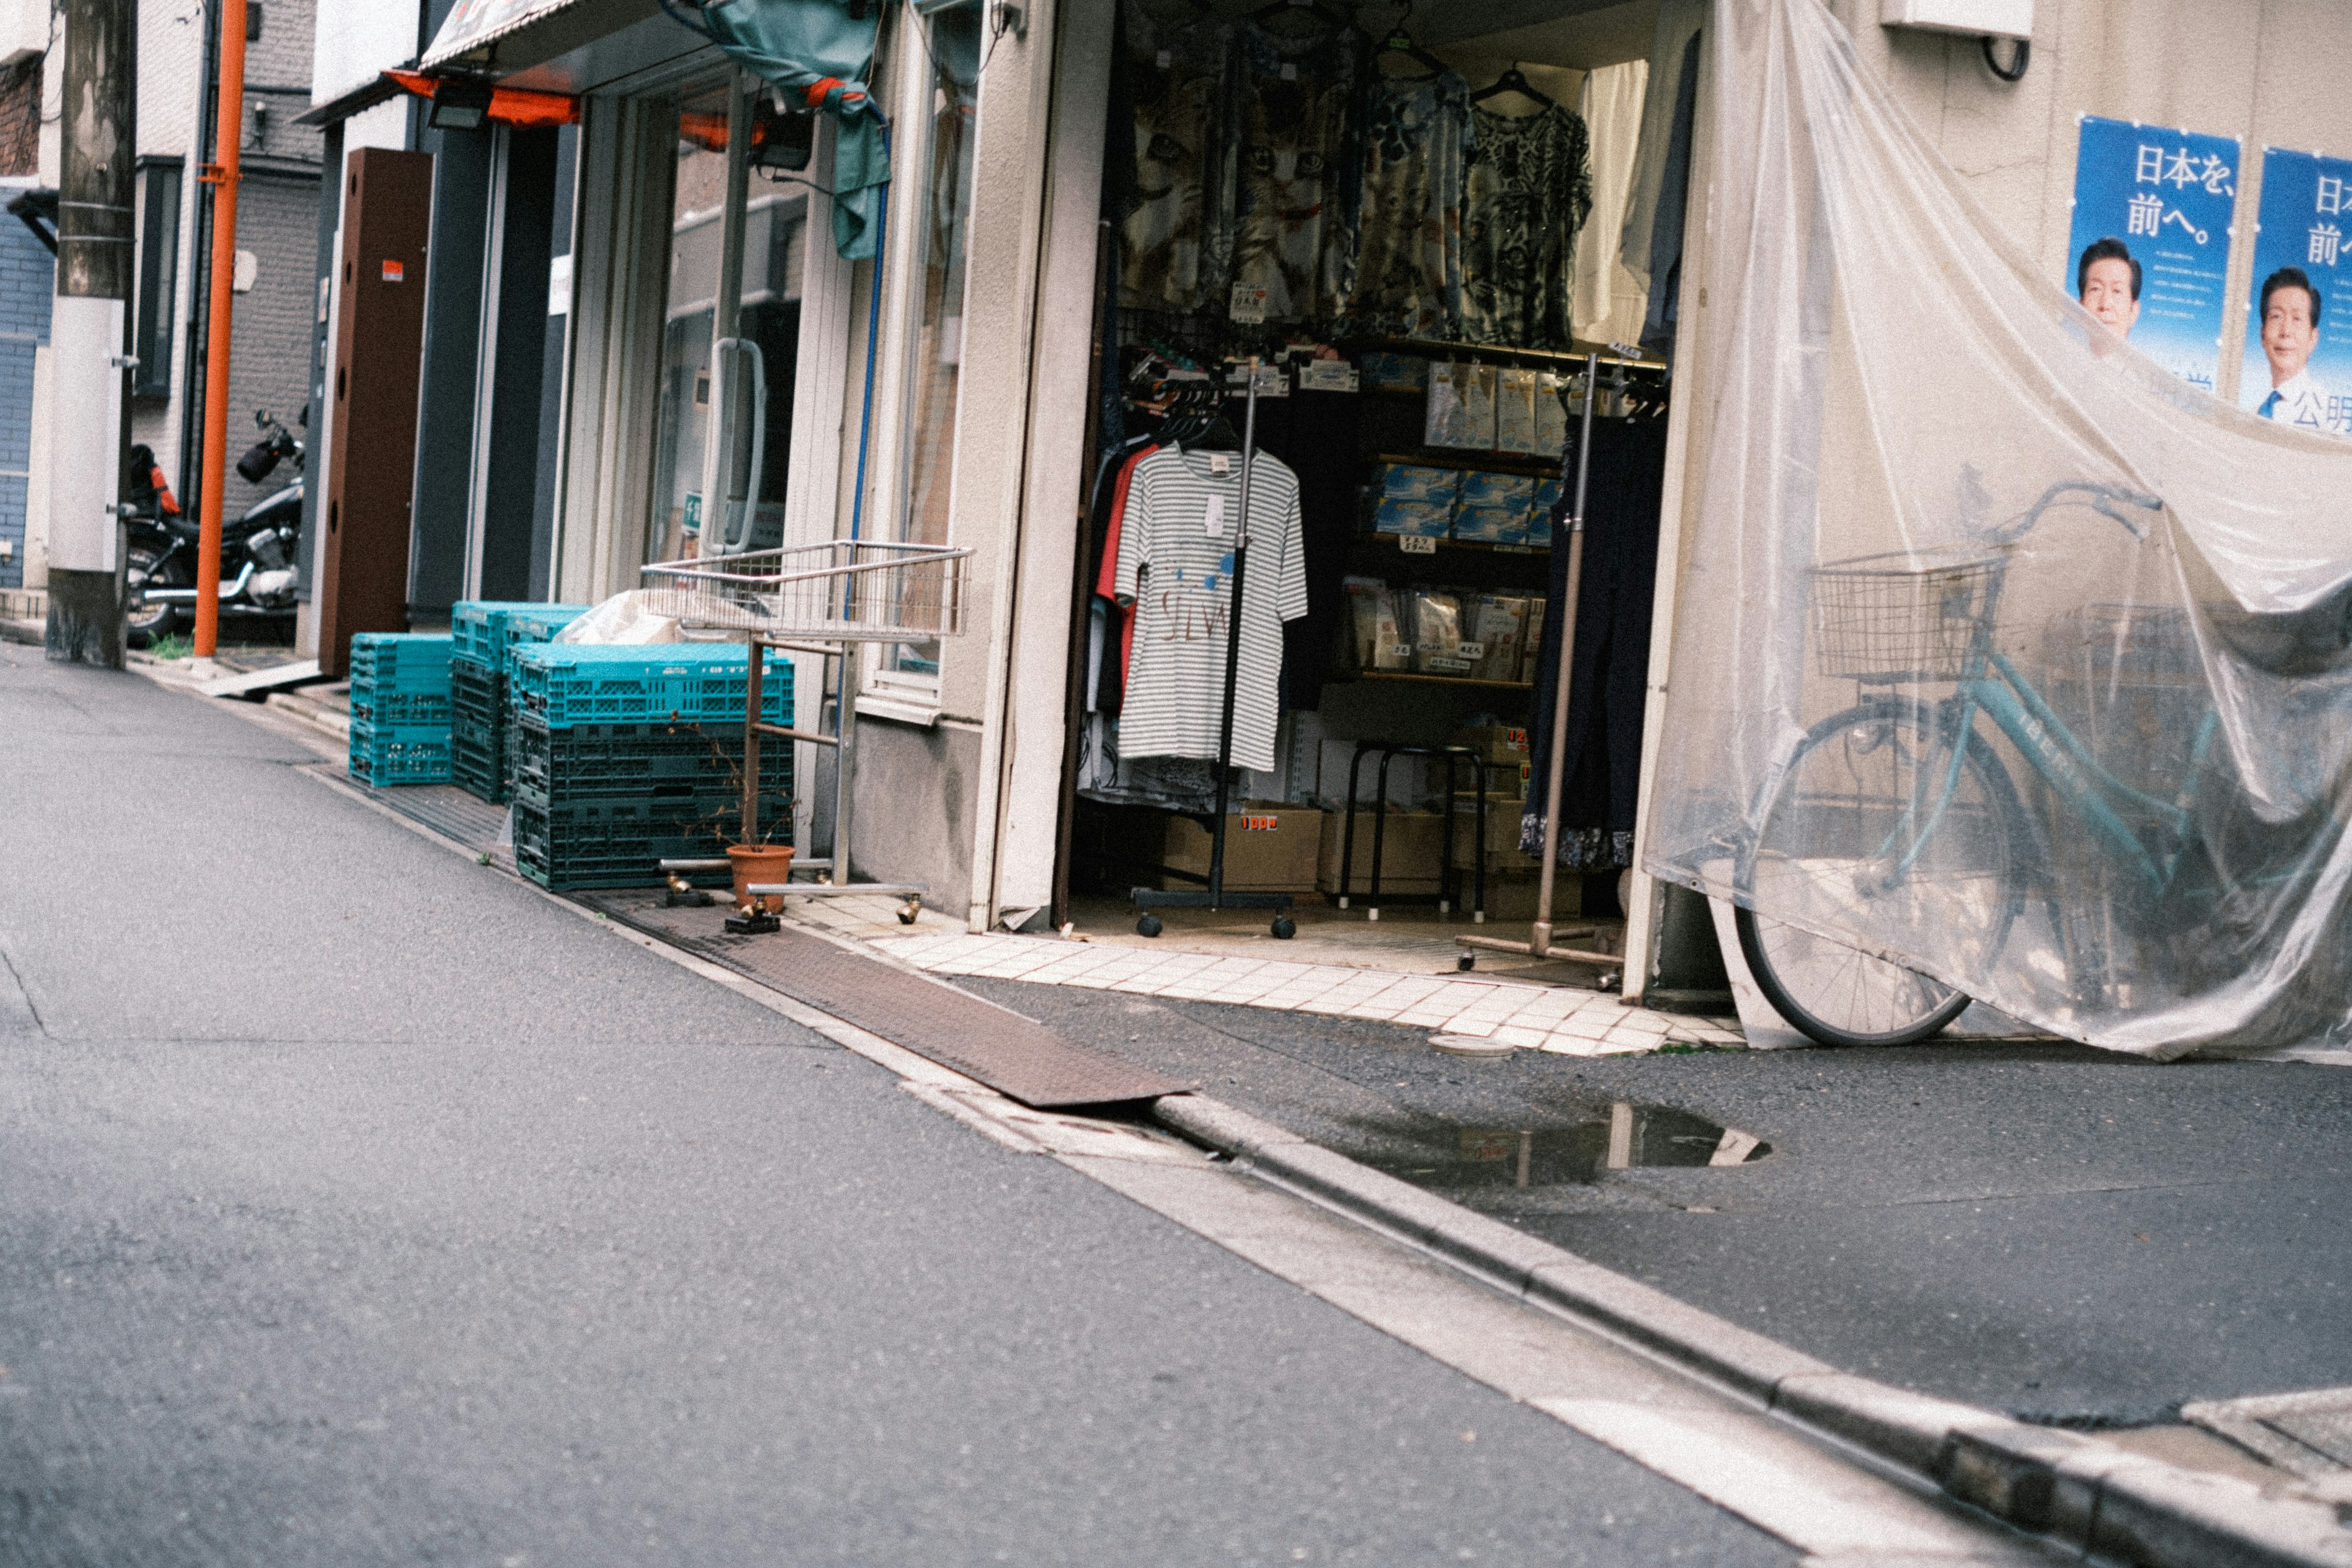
(2164, 198)
(2304, 355)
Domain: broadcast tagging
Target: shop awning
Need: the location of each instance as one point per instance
(512, 35)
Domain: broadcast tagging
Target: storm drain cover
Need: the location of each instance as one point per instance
(2309, 1433)
(1015, 1056)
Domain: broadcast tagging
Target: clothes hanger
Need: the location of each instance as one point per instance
(1399, 42)
(1512, 80)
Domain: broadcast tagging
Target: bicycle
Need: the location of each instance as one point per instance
(1896, 815)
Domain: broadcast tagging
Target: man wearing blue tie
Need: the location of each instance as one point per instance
(2290, 304)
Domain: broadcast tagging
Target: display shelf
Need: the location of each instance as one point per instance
(1471, 460)
(1428, 679)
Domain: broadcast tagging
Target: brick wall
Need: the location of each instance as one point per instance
(28, 279)
(20, 117)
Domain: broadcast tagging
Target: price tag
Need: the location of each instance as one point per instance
(1247, 305)
(1401, 650)
(1327, 376)
(1416, 544)
(1474, 650)
(1215, 516)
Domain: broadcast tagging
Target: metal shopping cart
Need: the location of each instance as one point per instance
(823, 599)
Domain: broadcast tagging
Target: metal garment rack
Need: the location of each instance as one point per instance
(1214, 896)
(825, 598)
(1539, 943)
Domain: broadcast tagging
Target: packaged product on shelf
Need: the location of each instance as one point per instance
(1494, 507)
(1437, 633)
(1515, 411)
(1385, 372)
(1375, 638)
(1551, 413)
(1477, 386)
(1416, 519)
(1498, 625)
(1446, 422)
(1415, 481)
(1531, 645)
(1539, 510)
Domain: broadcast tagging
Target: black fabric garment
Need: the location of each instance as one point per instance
(1608, 683)
(1673, 197)
(1316, 434)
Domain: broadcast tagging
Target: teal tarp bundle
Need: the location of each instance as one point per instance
(821, 51)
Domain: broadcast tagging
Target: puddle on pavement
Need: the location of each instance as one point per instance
(1432, 1152)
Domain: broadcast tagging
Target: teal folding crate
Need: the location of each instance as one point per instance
(616, 843)
(387, 754)
(401, 662)
(478, 725)
(584, 761)
(484, 628)
(579, 683)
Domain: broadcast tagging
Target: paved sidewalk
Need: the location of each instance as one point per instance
(1537, 1017)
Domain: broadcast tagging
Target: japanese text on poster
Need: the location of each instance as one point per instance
(2149, 250)
(2298, 365)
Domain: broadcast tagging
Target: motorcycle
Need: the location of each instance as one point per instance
(257, 550)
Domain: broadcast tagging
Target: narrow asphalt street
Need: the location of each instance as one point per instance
(2068, 1236)
(362, 1205)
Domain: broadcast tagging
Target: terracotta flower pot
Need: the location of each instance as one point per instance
(763, 864)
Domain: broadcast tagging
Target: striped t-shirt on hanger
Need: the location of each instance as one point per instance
(1175, 566)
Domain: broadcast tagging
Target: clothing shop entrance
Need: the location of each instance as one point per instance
(1435, 242)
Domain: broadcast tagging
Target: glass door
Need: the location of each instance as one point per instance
(758, 375)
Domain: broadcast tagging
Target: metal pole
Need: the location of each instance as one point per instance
(90, 333)
(1232, 647)
(726, 314)
(1540, 944)
(222, 175)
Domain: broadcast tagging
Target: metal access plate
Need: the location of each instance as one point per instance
(1017, 1057)
(2308, 1433)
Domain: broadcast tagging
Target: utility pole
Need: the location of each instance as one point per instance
(89, 339)
(228, 140)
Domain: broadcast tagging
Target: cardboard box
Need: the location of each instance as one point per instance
(1413, 851)
(1270, 847)
(1503, 814)
(1503, 744)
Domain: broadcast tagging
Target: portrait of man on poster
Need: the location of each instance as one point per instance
(2106, 282)
(2290, 304)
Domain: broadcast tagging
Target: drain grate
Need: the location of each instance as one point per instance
(2309, 1433)
(1017, 1057)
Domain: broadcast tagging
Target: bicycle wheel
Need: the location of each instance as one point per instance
(1854, 839)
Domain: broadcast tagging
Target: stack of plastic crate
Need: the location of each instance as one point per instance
(629, 755)
(483, 630)
(525, 628)
(400, 709)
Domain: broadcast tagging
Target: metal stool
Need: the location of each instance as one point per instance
(1448, 880)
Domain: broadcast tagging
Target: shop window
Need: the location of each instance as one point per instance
(940, 210)
(159, 276)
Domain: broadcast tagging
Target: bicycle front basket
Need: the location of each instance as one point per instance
(1888, 618)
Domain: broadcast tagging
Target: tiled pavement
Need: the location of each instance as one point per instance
(1540, 1017)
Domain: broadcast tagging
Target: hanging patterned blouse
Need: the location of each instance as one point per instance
(1528, 188)
(1409, 256)
(1292, 208)
(1170, 245)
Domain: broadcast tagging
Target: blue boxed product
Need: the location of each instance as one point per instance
(1411, 481)
(1494, 507)
(1414, 519)
(1546, 501)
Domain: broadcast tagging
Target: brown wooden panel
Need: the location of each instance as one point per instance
(372, 404)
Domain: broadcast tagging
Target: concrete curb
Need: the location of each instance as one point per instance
(2087, 1493)
(34, 633)
(311, 711)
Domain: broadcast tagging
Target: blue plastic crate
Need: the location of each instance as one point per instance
(404, 661)
(614, 844)
(484, 628)
(372, 705)
(538, 623)
(399, 755)
(577, 683)
(582, 762)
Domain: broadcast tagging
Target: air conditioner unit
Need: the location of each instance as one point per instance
(1977, 18)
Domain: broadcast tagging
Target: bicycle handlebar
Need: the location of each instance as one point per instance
(2098, 498)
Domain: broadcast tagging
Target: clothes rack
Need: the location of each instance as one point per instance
(1540, 943)
(1214, 896)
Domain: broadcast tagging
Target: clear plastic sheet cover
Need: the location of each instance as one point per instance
(1998, 653)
